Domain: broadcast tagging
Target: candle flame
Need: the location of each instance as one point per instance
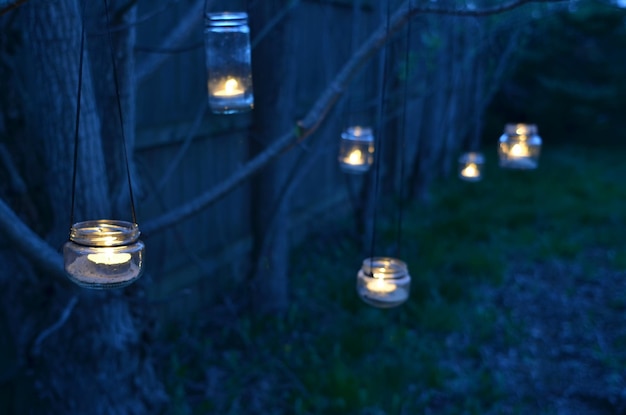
(231, 85)
(355, 157)
(519, 150)
(379, 285)
(109, 240)
(230, 88)
(471, 170)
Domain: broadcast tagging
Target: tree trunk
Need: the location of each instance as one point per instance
(274, 85)
(431, 137)
(81, 351)
(453, 90)
(51, 48)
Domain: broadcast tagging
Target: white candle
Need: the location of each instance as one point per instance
(109, 258)
(354, 158)
(471, 170)
(110, 262)
(230, 88)
(380, 286)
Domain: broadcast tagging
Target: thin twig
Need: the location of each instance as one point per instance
(193, 130)
(17, 183)
(272, 23)
(6, 6)
(320, 109)
(180, 32)
(174, 50)
(65, 315)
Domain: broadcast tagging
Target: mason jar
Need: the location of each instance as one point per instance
(383, 282)
(519, 147)
(229, 69)
(103, 254)
(356, 151)
(471, 166)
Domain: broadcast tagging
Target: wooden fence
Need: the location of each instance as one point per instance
(193, 261)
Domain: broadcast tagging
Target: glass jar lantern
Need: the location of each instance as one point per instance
(383, 282)
(471, 166)
(104, 254)
(519, 147)
(227, 41)
(356, 151)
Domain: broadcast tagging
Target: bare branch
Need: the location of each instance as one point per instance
(8, 5)
(272, 23)
(201, 202)
(67, 312)
(172, 46)
(17, 183)
(30, 244)
(189, 22)
(176, 160)
(320, 109)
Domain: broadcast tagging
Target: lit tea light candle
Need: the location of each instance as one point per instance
(383, 282)
(519, 147)
(471, 171)
(379, 286)
(519, 150)
(230, 88)
(354, 158)
(111, 262)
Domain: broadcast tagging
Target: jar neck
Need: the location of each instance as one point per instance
(472, 158)
(226, 19)
(520, 129)
(384, 267)
(104, 233)
(358, 134)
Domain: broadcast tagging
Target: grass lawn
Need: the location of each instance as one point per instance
(518, 306)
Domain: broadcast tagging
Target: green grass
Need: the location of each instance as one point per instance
(332, 354)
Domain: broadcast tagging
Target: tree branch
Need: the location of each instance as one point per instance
(30, 244)
(190, 21)
(8, 5)
(269, 26)
(67, 312)
(17, 183)
(177, 35)
(312, 120)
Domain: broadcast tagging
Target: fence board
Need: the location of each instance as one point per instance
(208, 253)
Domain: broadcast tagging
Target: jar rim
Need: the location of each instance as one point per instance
(520, 129)
(472, 157)
(104, 232)
(226, 18)
(358, 133)
(394, 268)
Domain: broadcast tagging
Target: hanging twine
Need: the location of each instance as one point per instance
(78, 100)
(378, 152)
(119, 110)
(403, 140)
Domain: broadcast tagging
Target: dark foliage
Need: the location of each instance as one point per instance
(570, 79)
